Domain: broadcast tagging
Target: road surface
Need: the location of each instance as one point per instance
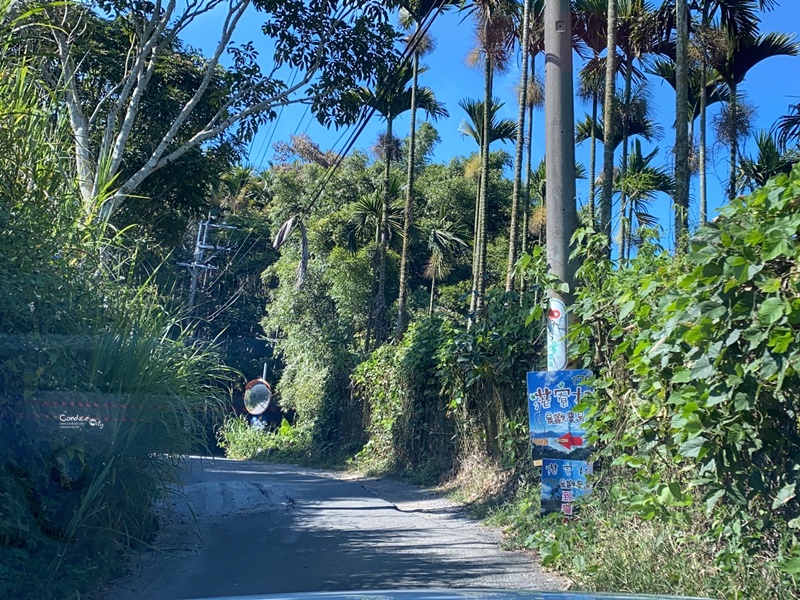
(253, 528)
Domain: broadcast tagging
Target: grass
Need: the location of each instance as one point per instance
(607, 550)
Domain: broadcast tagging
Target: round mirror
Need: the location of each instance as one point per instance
(257, 396)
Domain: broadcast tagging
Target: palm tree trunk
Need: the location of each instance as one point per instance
(433, 291)
(481, 287)
(623, 198)
(518, 156)
(630, 231)
(409, 206)
(476, 244)
(703, 122)
(608, 126)
(682, 126)
(734, 143)
(528, 168)
(702, 150)
(380, 303)
(529, 164)
(593, 158)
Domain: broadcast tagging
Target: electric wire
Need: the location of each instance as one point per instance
(369, 112)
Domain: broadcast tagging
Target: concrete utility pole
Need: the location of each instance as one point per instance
(562, 217)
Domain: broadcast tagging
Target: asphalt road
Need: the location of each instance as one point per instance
(252, 528)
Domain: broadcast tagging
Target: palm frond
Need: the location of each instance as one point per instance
(771, 160)
(499, 130)
(787, 127)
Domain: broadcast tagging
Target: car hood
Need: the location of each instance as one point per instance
(467, 594)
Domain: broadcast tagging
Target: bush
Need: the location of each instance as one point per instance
(447, 391)
(241, 441)
(409, 428)
(613, 550)
(695, 413)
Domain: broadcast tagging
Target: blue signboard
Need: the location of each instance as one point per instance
(563, 482)
(558, 435)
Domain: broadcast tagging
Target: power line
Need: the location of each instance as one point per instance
(370, 112)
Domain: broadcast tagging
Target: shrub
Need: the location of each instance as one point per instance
(697, 385)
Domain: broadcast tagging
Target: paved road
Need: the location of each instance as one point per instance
(252, 528)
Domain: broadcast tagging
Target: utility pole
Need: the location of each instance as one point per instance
(562, 217)
(199, 262)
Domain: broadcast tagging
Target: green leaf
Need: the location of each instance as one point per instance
(702, 369)
(770, 286)
(682, 376)
(791, 566)
(704, 254)
(733, 337)
(785, 495)
(771, 310)
(626, 308)
(693, 447)
(754, 238)
(743, 269)
(780, 340)
(775, 246)
(675, 490)
(712, 500)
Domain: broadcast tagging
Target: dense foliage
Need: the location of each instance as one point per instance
(79, 343)
(705, 348)
(696, 411)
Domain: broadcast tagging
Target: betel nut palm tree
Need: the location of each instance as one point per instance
(498, 130)
(391, 98)
(495, 28)
(412, 15)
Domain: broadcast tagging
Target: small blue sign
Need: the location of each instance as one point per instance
(563, 482)
(557, 431)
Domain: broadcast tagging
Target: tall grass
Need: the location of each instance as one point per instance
(609, 550)
(76, 340)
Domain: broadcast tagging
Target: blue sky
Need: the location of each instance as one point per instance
(771, 86)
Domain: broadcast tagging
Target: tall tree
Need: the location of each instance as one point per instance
(740, 55)
(592, 27)
(498, 130)
(738, 17)
(681, 198)
(392, 98)
(519, 148)
(641, 30)
(244, 96)
(609, 106)
(535, 99)
(495, 30)
(411, 16)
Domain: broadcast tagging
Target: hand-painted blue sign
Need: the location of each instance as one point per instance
(563, 482)
(556, 429)
(558, 434)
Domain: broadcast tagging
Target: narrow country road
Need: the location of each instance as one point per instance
(252, 528)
